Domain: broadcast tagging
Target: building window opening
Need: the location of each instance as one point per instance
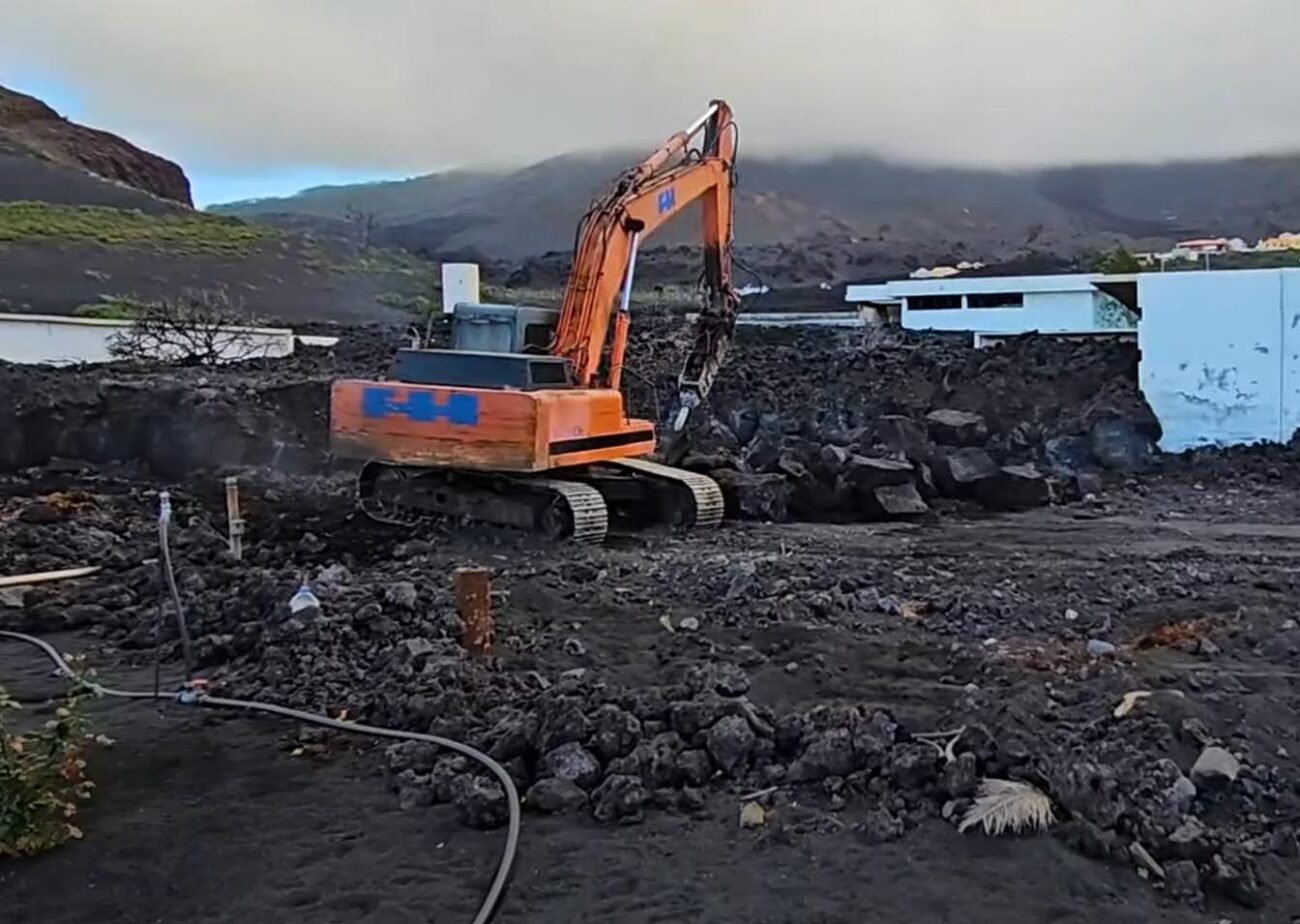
(934, 302)
(996, 300)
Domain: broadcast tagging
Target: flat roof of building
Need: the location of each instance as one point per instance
(979, 285)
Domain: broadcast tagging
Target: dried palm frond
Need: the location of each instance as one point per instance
(1008, 805)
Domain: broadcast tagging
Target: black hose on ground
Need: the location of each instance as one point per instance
(191, 697)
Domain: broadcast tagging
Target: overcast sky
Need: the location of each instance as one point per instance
(276, 91)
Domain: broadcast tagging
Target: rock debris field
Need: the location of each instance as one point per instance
(944, 566)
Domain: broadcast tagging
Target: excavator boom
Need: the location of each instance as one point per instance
(644, 198)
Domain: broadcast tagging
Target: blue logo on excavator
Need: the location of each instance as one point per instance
(667, 200)
(420, 406)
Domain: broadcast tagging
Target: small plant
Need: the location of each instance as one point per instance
(198, 329)
(42, 780)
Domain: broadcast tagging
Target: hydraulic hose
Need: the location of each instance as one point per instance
(190, 697)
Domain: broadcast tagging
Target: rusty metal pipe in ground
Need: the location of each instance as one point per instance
(473, 589)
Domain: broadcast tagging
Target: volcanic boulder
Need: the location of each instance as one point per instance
(1014, 487)
(1122, 446)
(957, 473)
(951, 427)
(755, 497)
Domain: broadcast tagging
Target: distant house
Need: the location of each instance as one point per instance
(1203, 245)
(1287, 240)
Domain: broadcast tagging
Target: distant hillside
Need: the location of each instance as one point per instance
(856, 214)
(89, 221)
(40, 151)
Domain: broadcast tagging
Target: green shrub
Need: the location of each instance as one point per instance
(117, 308)
(42, 780)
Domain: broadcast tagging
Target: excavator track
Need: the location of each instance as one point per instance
(582, 504)
(408, 496)
(707, 500)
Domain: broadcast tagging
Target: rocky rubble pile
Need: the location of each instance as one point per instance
(1168, 782)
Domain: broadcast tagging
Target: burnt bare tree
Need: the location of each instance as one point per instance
(198, 328)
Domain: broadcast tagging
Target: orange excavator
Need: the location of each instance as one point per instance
(522, 422)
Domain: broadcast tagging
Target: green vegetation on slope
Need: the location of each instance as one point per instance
(181, 233)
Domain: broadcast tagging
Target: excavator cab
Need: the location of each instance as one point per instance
(522, 422)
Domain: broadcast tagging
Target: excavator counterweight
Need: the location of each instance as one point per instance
(522, 422)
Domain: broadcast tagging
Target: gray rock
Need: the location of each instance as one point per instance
(562, 721)
(695, 767)
(1122, 446)
(412, 649)
(616, 732)
(830, 753)
(620, 798)
(730, 680)
(912, 766)
(1190, 840)
(84, 614)
(1215, 766)
(832, 460)
(1096, 648)
(1014, 487)
(763, 451)
(1284, 843)
(480, 802)
(899, 502)
(952, 427)
(957, 473)
(689, 716)
(961, 777)
(335, 574)
(1182, 880)
(689, 624)
(556, 796)
(755, 497)
(1069, 456)
(730, 742)
(866, 474)
(879, 827)
(904, 435)
(402, 594)
(744, 581)
(1181, 794)
(873, 738)
(655, 761)
(413, 790)
(512, 736)
(574, 648)
(13, 597)
(574, 763)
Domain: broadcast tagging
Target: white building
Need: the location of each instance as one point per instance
(1076, 304)
(1220, 351)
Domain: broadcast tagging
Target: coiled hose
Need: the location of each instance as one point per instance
(189, 697)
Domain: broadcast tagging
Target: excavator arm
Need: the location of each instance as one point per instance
(604, 263)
